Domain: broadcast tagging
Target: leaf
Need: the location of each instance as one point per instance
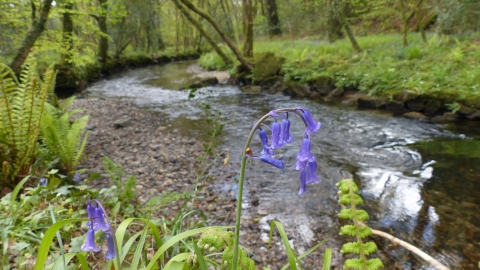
(327, 259)
(292, 258)
(201, 260)
(15, 191)
(47, 241)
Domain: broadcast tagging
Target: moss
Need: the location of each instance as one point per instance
(266, 65)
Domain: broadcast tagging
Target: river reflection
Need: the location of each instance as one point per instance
(420, 181)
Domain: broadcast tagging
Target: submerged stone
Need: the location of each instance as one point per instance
(266, 65)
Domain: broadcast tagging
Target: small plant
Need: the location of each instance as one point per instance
(454, 106)
(63, 138)
(348, 192)
(22, 105)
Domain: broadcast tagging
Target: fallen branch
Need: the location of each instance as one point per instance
(411, 248)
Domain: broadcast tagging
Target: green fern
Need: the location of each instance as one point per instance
(64, 138)
(22, 103)
(348, 192)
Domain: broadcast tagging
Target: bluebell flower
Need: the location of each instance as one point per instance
(312, 126)
(92, 215)
(285, 136)
(43, 182)
(90, 242)
(303, 182)
(276, 142)
(270, 160)
(312, 177)
(77, 178)
(304, 155)
(264, 139)
(111, 247)
(100, 218)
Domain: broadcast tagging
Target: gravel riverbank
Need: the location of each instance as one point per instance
(162, 161)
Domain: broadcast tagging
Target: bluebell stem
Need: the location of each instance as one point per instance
(77, 178)
(111, 247)
(43, 182)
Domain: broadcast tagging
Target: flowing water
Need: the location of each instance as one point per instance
(420, 181)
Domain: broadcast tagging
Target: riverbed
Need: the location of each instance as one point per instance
(419, 180)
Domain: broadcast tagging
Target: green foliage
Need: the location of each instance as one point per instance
(22, 104)
(212, 61)
(62, 136)
(125, 190)
(348, 193)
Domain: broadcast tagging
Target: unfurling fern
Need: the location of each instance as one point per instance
(348, 192)
(64, 138)
(215, 240)
(21, 109)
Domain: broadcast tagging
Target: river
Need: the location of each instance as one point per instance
(420, 181)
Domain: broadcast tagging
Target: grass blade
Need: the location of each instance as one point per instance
(305, 253)
(292, 259)
(178, 258)
(15, 192)
(59, 237)
(47, 241)
(201, 260)
(138, 251)
(327, 259)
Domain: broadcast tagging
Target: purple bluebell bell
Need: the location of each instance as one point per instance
(304, 155)
(90, 242)
(77, 178)
(264, 139)
(111, 247)
(285, 136)
(312, 177)
(312, 126)
(92, 215)
(43, 182)
(275, 142)
(303, 182)
(307, 165)
(273, 161)
(101, 224)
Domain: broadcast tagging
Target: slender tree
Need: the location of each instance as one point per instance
(202, 31)
(35, 31)
(247, 28)
(219, 30)
(272, 18)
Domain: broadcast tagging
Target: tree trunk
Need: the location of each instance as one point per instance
(334, 22)
(272, 18)
(403, 14)
(200, 29)
(219, 30)
(35, 31)
(102, 25)
(247, 28)
(420, 25)
(351, 37)
(67, 34)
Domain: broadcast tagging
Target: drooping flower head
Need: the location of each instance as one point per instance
(90, 242)
(280, 136)
(276, 142)
(264, 139)
(312, 126)
(111, 247)
(101, 224)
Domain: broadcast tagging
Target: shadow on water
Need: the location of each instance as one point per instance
(420, 180)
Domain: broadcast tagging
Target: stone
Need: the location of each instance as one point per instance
(323, 84)
(266, 65)
(296, 89)
(211, 207)
(446, 117)
(123, 123)
(365, 101)
(251, 89)
(203, 82)
(464, 110)
(337, 92)
(416, 105)
(432, 106)
(395, 106)
(474, 116)
(415, 115)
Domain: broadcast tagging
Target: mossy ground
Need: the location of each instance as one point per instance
(445, 68)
